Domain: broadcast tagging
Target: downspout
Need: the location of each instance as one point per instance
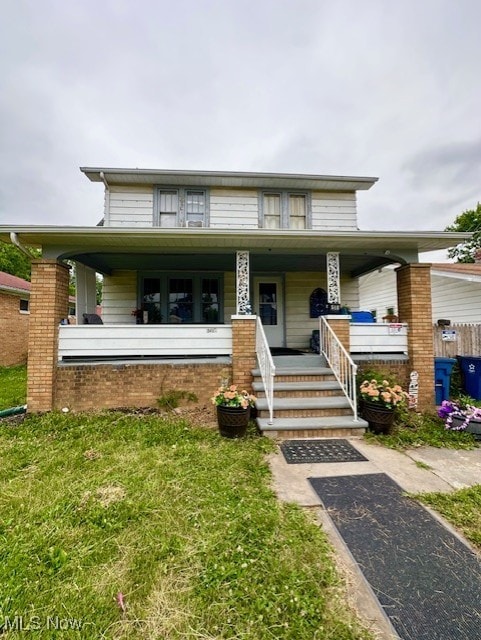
(107, 200)
(14, 240)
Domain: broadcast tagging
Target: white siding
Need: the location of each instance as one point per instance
(334, 211)
(455, 299)
(119, 297)
(236, 208)
(298, 288)
(130, 207)
(133, 206)
(378, 291)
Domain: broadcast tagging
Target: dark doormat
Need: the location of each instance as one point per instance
(427, 581)
(332, 450)
(284, 351)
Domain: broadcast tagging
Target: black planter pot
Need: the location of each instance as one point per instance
(232, 421)
(474, 426)
(380, 419)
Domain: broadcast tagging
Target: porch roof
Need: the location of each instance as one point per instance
(108, 248)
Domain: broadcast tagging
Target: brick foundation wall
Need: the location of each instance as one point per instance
(243, 351)
(13, 331)
(48, 305)
(83, 387)
(414, 307)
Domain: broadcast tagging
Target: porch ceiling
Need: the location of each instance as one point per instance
(107, 248)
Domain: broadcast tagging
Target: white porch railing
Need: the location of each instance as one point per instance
(266, 366)
(130, 340)
(340, 362)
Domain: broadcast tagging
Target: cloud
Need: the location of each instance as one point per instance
(371, 88)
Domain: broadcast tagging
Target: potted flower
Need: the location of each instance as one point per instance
(233, 410)
(379, 401)
(461, 416)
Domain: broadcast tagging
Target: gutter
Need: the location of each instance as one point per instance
(14, 240)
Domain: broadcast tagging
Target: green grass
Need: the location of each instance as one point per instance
(462, 508)
(420, 429)
(13, 386)
(180, 521)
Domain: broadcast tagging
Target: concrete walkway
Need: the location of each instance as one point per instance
(420, 470)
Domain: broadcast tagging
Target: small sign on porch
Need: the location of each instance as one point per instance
(395, 328)
(448, 335)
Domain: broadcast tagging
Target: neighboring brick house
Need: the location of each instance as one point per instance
(14, 316)
(197, 266)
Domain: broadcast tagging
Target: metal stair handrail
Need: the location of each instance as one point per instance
(266, 366)
(340, 362)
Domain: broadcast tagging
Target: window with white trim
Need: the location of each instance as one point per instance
(285, 210)
(24, 305)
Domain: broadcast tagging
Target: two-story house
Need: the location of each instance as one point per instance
(197, 267)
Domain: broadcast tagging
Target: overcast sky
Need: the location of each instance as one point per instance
(383, 88)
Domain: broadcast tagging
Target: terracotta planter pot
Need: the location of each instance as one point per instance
(380, 419)
(232, 421)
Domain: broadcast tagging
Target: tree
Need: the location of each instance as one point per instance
(469, 220)
(13, 261)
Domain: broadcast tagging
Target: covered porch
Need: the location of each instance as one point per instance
(259, 273)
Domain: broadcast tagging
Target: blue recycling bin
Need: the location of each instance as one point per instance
(471, 375)
(442, 377)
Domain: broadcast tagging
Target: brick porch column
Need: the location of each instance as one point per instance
(414, 307)
(243, 350)
(48, 305)
(340, 324)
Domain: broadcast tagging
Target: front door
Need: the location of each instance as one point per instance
(269, 306)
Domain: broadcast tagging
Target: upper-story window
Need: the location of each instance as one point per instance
(285, 210)
(181, 207)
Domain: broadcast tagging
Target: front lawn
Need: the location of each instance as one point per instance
(142, 527)
(13, 386)
(462, 508)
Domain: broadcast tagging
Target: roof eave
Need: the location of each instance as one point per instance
(239, 179)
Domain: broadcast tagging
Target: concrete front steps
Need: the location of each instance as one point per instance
(308, 402)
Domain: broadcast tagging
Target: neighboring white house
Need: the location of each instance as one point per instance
(455, 292)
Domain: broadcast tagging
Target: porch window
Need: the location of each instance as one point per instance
(180, 298)
(285, 210)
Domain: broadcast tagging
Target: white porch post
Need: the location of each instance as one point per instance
(243, 304)
(333, 278)
(86, 291)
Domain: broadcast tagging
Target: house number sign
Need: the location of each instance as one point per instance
(212, 330)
